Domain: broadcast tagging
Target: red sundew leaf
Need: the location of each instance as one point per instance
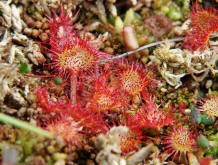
(46, 104)
(130, 142)
(204, 22)
(155, 119)
(70, 54)
(179, 141)
(75, 56)
(150, 116)
(133, 78)
(92, 123)
(43, 101)
(209, 106)
(66, 128)
(104, 96)
(205, 161)
(61, 27)
(182, 107)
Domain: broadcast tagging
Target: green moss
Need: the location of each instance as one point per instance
(31, 147)
(175, 12)
(165, 9)
(58, 156)
(212, 151)
(202, 141)
(175, 15)
(206, 120)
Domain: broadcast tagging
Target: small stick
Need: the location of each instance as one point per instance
(143, 47)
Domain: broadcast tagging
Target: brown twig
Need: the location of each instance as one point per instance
(141, 48)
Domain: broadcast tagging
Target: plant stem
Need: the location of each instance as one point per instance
(24, 125)
(73, 83)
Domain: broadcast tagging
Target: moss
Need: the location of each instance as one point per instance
(202, 141)
(29, 145)
(58, 156)
(176, 96)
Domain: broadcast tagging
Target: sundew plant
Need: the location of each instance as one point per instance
(122, 87)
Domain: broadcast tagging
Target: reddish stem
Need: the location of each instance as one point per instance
(73, 83)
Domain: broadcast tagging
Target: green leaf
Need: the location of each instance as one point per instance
(111, 19)
(58, 80)
(118, 24)
(24, 68)
(129, 17)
